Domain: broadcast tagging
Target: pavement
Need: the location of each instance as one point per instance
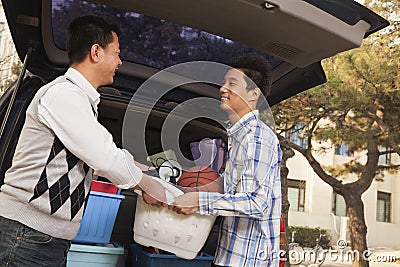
(378, 257)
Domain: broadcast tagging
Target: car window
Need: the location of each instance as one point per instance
(151, 41)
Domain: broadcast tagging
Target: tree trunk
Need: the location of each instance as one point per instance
(287, 152)
(357, 226)
(285, 210)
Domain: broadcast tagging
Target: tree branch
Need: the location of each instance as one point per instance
(336, 184)
(368, 174)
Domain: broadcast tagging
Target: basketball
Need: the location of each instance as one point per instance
(201, 178)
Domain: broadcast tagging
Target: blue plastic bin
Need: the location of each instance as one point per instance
(141, 258)
(99, 218)
(93, 256)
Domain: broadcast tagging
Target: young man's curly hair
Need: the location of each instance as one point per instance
(257, 69)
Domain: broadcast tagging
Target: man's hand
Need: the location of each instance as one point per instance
(187, 203)
(153, 192)
(144, 167)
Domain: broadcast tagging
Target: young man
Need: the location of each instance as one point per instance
(251, 205)
(61, 143)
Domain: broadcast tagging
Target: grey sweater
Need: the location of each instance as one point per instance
(49, 180)
(47, 186)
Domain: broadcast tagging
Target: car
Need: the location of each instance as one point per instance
(164, 38)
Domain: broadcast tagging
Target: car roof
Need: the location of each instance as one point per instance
(296, 35)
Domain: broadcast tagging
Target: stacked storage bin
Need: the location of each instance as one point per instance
(140, 258)
(91, 246)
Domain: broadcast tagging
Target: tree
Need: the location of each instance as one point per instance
(358, 106)
(8, 63)
(7, 80)
(287, 153)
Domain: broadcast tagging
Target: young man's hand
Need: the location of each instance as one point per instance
(187, 203)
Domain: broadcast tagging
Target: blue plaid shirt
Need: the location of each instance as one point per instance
(251, 204)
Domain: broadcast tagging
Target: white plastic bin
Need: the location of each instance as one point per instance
(183, 235)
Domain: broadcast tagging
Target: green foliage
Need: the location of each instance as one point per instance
(341, 171)
(306, 236)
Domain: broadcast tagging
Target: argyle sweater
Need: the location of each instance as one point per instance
(48, 184)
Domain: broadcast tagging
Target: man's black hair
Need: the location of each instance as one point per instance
(257, 70)
(83, 32)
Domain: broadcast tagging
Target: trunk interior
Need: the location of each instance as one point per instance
(111, 115)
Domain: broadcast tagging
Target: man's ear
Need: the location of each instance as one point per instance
(254, 94)
(95, 52)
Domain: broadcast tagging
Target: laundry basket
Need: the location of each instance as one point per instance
(183, 235)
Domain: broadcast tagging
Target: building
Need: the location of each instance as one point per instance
(8, 54)
(314, 204)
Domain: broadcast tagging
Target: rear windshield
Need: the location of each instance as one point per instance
(151, 41)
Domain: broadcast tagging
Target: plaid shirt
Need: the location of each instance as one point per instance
(251, 204)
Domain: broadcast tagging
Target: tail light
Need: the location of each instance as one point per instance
(282, 241)
(282, 225)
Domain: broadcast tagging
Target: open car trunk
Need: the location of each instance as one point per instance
(111, 116)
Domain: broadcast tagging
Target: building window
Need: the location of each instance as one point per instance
(343, 150)
(383, 207)
(384, 158)
(295, 136)
(339, 205)
(296, 194)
